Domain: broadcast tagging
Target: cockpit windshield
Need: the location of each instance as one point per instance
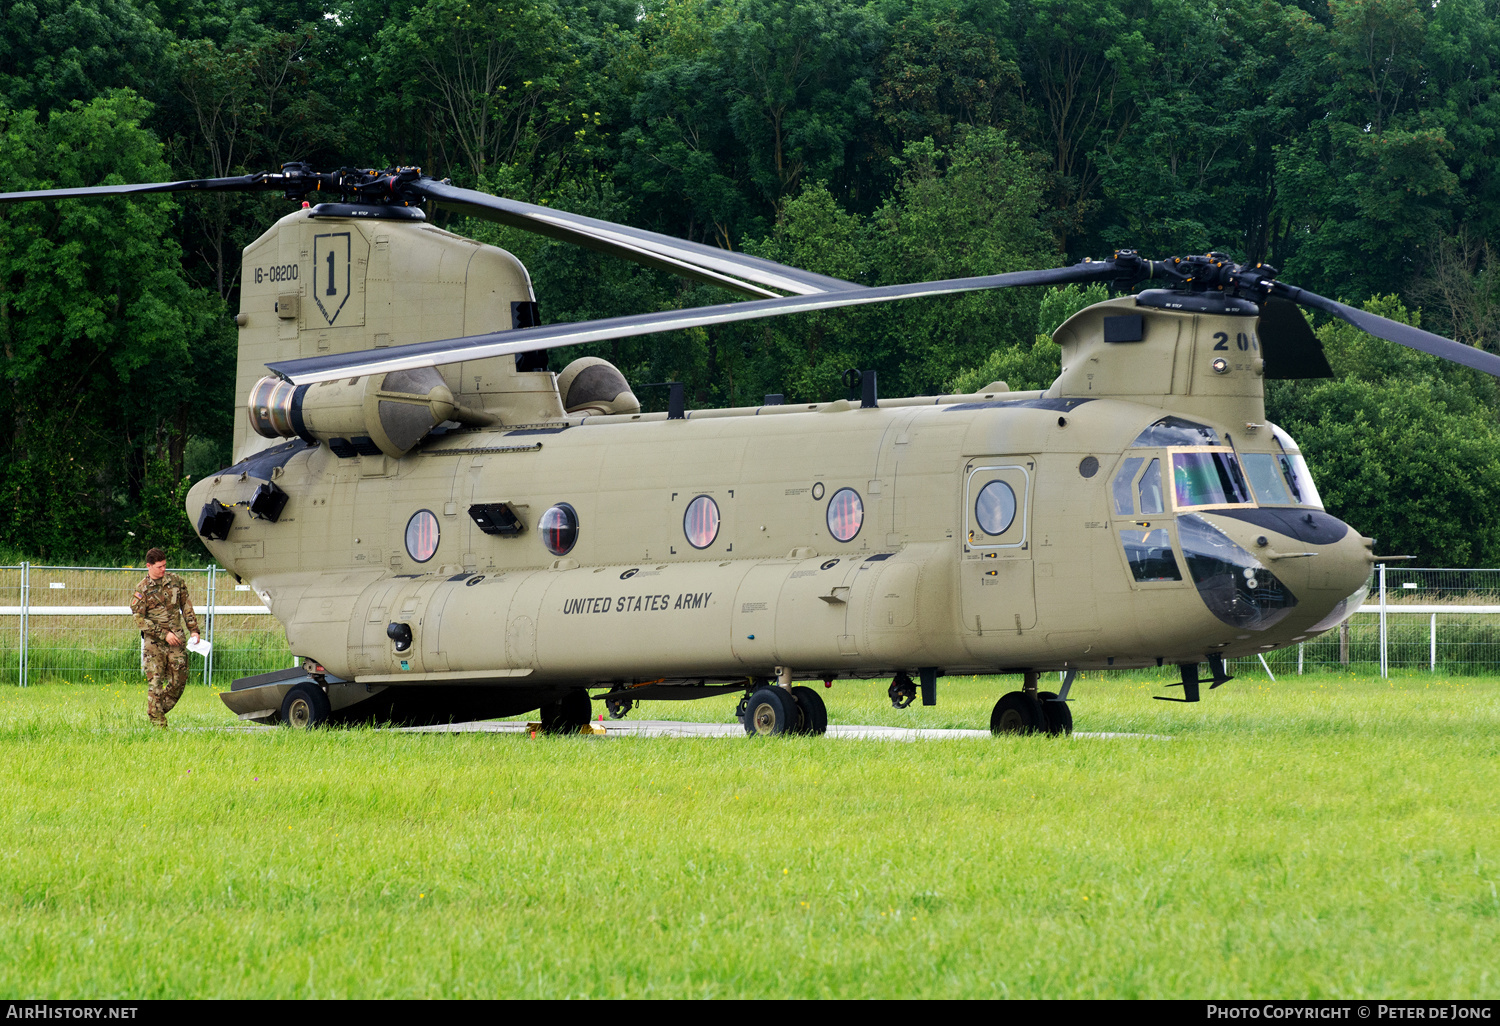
(1304, 492)
(1208, 477)
(1204, 473)
(1281, 478)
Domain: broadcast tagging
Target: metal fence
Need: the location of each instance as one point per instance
(1415, 618)
(73, 623)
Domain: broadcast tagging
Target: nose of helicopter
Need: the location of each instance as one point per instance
(1306, 562)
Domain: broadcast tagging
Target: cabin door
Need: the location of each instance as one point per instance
(996, 591)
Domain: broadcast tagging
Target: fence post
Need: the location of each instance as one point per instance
(25, 616)
(1300, 646)
(1384, 664)
(1432, 656)
(1344, 643)
(208, 660)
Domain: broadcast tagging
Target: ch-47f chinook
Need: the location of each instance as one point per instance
(449, 531)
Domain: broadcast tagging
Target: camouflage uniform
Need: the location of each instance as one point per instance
(160, 607)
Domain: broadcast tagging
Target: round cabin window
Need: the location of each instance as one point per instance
(701, 522)
(422, 535)
(995, 509)
(559, 529)
(846, 514)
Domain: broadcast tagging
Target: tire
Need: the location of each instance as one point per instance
(771, 711)
(1059, 716)
(304, 707)
(1015, 713)
(568, 715)
(814, 712)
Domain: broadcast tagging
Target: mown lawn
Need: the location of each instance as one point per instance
(1318, 837)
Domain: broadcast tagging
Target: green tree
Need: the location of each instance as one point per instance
(736, 106)
(55, 51)
(972, 211)
(489, 83)
(1404, 446)
(1034, 366)
(111, 360)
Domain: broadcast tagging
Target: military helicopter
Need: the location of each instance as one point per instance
(449, 531)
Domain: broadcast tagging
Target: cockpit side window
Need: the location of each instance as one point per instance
(1150, 489)
(1124, 505)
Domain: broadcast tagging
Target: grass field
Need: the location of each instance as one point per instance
(1322, 837)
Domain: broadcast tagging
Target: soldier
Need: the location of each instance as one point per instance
(161, 605)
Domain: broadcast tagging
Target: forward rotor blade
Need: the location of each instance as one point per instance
(499, 343)
(1395, 331)
(690, 259)
(194, 185)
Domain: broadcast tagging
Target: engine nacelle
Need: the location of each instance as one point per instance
(371, 415)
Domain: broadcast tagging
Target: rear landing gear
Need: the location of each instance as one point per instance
(771, 710)
(304, 707)
(568, 715)
(814, 714)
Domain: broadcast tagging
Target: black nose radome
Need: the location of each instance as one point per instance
(1312, 527)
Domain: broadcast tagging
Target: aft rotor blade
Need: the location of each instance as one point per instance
(499, 343)
(737, 271)
(193, 185)
(1395, 331)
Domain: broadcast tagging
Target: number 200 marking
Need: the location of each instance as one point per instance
(1242, 342)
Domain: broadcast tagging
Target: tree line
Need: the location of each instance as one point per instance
(1351, 143)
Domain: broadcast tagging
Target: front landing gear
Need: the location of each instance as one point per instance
(1031, 712)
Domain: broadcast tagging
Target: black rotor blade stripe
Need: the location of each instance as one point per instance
(500, 343)
(241, 182)
(691, 259)
(1395, 331)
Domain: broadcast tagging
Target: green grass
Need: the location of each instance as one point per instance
(1322, 837)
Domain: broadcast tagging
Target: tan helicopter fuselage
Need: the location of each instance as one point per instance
(921, 582)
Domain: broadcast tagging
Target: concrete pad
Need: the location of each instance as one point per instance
(680, 728)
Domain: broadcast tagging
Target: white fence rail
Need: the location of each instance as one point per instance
(74, 623)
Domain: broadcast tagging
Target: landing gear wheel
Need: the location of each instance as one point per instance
(618, 707)
(304, 707)
(568, 715)
(771, 711)
(739, 710)
(1059, 716)
(814, 712)
(1016, 713)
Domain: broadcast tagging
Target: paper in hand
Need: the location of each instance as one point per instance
(200, 646)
